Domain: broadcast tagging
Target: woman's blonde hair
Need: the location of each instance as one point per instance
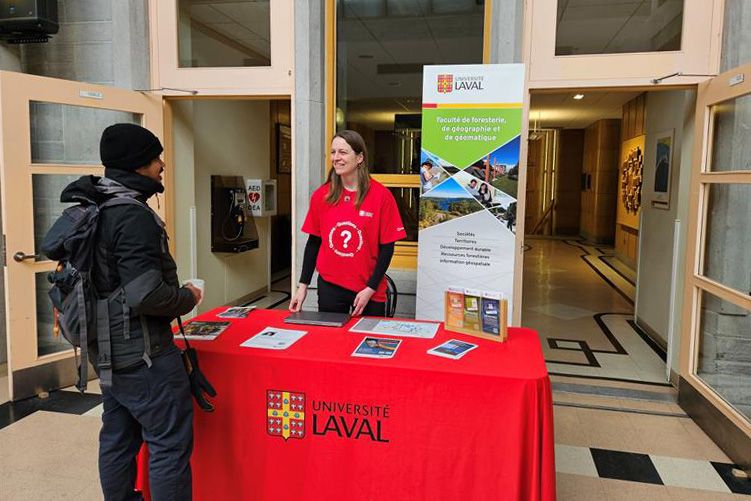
(357, 143)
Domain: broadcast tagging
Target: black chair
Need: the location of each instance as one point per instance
(391, 296)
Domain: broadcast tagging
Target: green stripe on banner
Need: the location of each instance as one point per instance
(461, 136)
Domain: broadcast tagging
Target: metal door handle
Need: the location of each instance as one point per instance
(20, 256)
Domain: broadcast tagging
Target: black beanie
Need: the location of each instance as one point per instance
(128, 147)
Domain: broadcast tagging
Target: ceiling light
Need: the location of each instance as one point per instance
(578, 96)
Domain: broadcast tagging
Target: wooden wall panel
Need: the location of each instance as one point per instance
(280, 114)
(600, 165)
(634, 125)
(634, 118)
(534, 183)
(568, 198)
(627, 245)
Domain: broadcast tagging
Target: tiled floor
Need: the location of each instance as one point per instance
(615, 439)
(629, 451)
(277, 297)
(580, 305)
(619, 432)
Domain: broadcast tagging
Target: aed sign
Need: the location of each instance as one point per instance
(261, 197)
(254, 190)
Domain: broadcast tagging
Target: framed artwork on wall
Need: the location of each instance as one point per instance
(663, 169)
(283, 149)
(630, 175)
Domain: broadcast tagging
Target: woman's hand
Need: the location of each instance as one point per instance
(295, 304)
(361, 300)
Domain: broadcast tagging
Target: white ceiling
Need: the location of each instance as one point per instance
(561, 110)
(402, 32)
(245, 22)
(616, 26)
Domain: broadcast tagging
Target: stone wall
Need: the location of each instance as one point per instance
(725, 355)
(736, 34)
(99, 41)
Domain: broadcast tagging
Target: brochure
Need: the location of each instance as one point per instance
(491, 304)
(377, 347)
(403, 328)
(452, 348)
(236, 312)
(273, 338)
(455, 309)
(472, 309)
(204, 330)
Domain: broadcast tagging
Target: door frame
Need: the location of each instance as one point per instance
(30, 374)
(710, 93)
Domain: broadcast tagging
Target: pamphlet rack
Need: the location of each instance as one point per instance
(476, 313)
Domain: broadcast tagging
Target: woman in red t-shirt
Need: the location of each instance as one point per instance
(352, 223)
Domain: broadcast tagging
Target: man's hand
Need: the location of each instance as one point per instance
(197, 294)
(361, 300)
(295, 304)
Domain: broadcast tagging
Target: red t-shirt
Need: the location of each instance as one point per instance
(350, 236)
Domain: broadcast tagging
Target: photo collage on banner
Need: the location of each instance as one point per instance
(469, 172)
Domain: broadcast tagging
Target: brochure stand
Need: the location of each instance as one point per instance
(476, 313)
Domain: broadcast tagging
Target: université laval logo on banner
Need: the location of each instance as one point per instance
(285, 411)
(445, 83)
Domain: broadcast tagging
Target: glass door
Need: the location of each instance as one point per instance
(715, 360)
(49, 136)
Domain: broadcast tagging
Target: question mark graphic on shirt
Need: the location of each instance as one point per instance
(347, 236)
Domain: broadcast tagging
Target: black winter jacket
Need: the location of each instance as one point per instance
(133, 268)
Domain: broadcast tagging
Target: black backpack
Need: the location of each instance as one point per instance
(71, 242)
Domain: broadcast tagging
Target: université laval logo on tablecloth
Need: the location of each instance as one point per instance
(285, 413)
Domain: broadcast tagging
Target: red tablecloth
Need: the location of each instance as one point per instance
(415, 427)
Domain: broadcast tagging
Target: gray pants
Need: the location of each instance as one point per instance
(151, 404)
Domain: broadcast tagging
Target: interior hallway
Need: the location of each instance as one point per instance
(619, 431)
(580, 300)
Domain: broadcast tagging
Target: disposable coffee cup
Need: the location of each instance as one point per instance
(198, 284)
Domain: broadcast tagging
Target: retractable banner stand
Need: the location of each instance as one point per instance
(471, 131)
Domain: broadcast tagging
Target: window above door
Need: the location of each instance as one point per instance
(221, 47)
(221, 34)
(629, 42)
(586, 27)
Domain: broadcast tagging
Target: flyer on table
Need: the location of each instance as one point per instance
(452, 349)
(236, 312)
(272, 338)
(204, 330)
(402, 328)
(377, 347)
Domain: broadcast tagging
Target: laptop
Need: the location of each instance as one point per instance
(324, 318)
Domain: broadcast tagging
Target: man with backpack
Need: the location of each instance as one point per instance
(145, 389)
